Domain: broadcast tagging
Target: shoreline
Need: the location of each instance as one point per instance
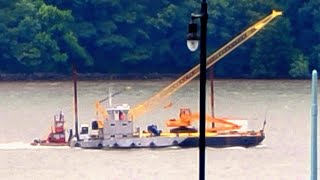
(114, 76)
(86, 76)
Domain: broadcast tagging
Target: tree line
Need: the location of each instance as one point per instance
(125, 36)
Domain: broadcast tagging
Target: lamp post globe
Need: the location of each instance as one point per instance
(192, 38)
(193, 45)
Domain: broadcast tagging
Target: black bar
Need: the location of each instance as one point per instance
(203, 58)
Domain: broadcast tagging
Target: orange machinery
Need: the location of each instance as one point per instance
(186, 118)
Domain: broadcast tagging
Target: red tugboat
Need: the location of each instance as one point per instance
(57, 136)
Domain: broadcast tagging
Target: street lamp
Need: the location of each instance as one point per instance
(192, 43)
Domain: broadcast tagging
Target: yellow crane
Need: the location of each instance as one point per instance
(157, 98)
(194, 72)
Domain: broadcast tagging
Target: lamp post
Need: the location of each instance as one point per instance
(192, 43)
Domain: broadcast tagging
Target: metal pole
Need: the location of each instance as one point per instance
(74, 77)
(212, 94)
(314, 116)
(203, 58)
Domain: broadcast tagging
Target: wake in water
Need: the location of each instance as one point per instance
(260, 146)
(23, 145)
(235, 148)
(27, 146)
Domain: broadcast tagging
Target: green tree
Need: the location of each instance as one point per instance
(299, 68)
(272, 55)
(120, 36)
(309, 30)
(38, 37)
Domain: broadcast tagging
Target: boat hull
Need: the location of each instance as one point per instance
(224, 141)
(217, 141)
(48, 144)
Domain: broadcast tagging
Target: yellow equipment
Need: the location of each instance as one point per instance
(101, 114)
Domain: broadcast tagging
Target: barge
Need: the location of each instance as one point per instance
(118, 131)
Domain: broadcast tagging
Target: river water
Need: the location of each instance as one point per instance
(27, 109)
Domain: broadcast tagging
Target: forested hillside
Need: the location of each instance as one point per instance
(143, 36)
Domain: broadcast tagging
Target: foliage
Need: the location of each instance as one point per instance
(123, 36)
(299, 67)
(273, 51)
(37, 38)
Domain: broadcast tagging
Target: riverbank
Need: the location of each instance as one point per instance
(90, 76)
(102, 76)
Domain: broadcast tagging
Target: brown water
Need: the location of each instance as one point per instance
(27, 108)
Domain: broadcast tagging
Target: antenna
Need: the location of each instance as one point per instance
(110, 97)
(265, 121)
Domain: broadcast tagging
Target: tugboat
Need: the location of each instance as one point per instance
(57, 136)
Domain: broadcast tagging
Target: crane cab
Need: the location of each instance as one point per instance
(118, 124)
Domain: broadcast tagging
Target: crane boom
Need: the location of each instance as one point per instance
(191, 74)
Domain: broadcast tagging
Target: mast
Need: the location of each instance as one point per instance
(212, 93)
(74, 78)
